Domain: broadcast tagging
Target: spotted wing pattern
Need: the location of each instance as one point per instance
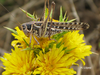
(55, 27)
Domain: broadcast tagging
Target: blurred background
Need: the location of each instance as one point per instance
(81, 10)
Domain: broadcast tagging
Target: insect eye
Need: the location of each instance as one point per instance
(23, 26)
(28, 26)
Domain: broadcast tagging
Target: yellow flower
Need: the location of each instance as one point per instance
(19, 62)
(44, 41)
(23, 39)
(72, 39)
(75, 45)
(40, 55)
(55, 20)
(54, 62)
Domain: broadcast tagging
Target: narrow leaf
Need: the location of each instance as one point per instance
(12, 30)
(71, 20)
(59, 35)
(28, 14)
(61, 15)
(28, 48)
(58, 45)
(25, 42)
(51, 13)
(46, 12)
(64, 17)
(66, 51)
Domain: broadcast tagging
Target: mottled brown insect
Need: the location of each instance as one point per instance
(55, 27)
(48, 27)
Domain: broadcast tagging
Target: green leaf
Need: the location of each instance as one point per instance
(51, 13)
(64, 17)
(58, 45)
(12, 30)
(64, 48)
(61, 15)
(59, 35)
(46, 50)
(46, 12)
(25, 42)
(37, 50)
(66, 51)
(51, 44)
(28, 48)
(28, 14)
(71, 20)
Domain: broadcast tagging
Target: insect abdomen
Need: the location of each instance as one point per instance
(69, 26)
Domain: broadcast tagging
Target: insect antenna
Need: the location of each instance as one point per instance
(51, 10)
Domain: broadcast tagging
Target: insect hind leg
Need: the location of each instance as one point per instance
(31, 33)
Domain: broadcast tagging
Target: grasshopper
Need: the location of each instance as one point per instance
(56, 26)
(31, 28)
(46, 27)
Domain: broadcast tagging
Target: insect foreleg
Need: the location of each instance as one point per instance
(31, 33)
